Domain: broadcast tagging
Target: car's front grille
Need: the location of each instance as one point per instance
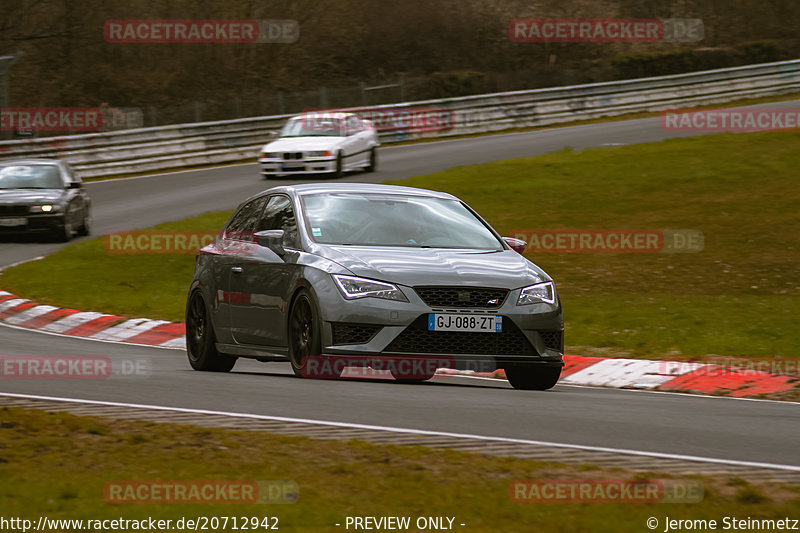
(293, 155)
(417, 339)
(462, 296)
(553, 340)
(6, 210)
(353, 333)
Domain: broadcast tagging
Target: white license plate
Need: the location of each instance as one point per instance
(291, 166)
(13, 221)
(476, 323)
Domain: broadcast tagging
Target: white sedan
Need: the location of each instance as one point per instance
(321, 143)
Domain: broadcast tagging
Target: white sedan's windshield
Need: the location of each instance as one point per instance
(313, 126)
(395, 220)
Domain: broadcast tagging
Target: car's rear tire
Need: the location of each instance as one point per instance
(200, 340)
(373, 161)
(304, 332)
(533, 378)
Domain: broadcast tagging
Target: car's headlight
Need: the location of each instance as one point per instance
(44, 208)
(320, 153)
(541, 292)
(270, 155)
(353, 288)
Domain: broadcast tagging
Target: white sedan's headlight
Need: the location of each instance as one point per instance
(353, 288)
(319, 153)
(541, 292)
(270, 155)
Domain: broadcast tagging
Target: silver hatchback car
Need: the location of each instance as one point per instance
(372, 276)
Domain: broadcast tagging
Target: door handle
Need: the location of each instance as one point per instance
(237, 270)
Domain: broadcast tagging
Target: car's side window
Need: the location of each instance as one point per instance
(245, 221)
(353, 125)
(280, 215)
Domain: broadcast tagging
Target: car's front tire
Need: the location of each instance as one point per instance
(373, 161)
(200, 340)
(85, 228)
(533, 378)
(403, 377)
(305, 340)
(63, 231)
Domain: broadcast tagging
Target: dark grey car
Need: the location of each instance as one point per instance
(395, 278)
(43, 195)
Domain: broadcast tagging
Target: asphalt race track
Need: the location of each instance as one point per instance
(722, 428)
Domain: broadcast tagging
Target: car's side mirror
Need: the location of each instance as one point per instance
(272, 239)
(273, 134)
(74, 185)
(518, 245)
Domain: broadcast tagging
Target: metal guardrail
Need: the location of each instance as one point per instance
(181, 145)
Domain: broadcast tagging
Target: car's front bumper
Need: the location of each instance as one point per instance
(316, 165)
(33, 222)
(532, 334)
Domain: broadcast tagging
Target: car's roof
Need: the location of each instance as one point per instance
(325, 114)
(375, 188)
(30, 161)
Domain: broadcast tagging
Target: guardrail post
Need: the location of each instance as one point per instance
(198, 111)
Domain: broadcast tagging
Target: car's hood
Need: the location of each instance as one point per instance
(302, 143)
(29, 196)
(437, 266)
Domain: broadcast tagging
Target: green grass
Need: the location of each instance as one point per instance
(85, 276)
(739, 296)
(56, 465)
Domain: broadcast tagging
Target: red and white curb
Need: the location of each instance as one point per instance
(24, 313)
(579, 370)
(657, 375)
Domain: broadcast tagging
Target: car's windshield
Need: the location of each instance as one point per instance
(30, 177)
(313, 126)
(395, 220)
